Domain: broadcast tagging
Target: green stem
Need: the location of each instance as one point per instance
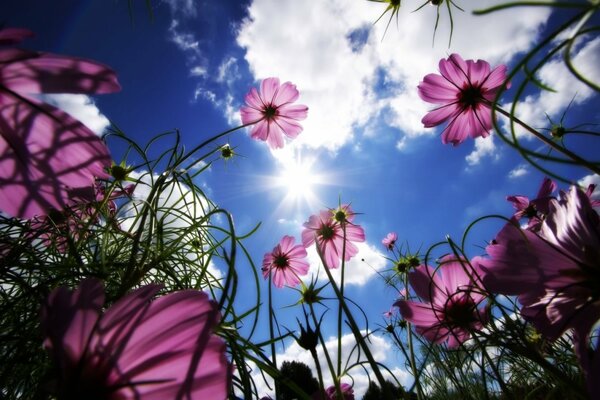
(549, 142)
(354, 327)
(271, 332)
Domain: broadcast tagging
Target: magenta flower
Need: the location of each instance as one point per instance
(390, 240)
(553, 272)
(346, 389)
(137, 349)
(535, 209)
(44, 152)
(450, 310)
(464, 92)
(273, 113)
(286, 263)
(327, 229)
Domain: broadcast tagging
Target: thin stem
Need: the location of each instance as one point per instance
(550, 143)
(271, 332)
(354, 327)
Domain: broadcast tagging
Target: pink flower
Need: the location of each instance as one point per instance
(273, 113)
(390, 240)
(465, 91)
(535, 209)
(286, 263)
(450, 310)
(137, 349)
(327, 229)
(45, 152)
(346, 389)
(553, 272)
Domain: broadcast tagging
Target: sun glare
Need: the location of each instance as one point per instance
(299, 181)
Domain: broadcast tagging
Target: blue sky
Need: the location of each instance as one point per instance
(190, 68)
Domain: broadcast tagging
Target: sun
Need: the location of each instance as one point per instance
(298, 181)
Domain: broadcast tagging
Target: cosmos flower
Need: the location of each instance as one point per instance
(449, 312)
(535, 209)
(44, 152)
(390, 240)
(464, 92)
(285, 263)
(272, 112)
(76, 222)
(327, 229)
(554, 272)
(137, 349)
(346, 389)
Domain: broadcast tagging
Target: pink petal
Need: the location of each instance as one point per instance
(436, 89)
(440, 114)
(50, 73)
(287, 93)
(293, 111)
(478, 72)
(250, 115)
(454, 69)
(268, 90)
(44, 152)
(69, 317)
(496, 78)
(14, 35)
(289, 127)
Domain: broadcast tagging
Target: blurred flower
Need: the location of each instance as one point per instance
(450, 310)
(138, 349)
(44, 152)
(286, 263)
(347, 392)
(76, 222)
(390, 240)
(555, 272)
(272, 112)
(465, 91)
(328, 232)
(535, 209)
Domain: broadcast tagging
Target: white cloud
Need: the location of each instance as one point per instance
(176, 210)
(228, 70)
(519, 171)
(358, 270)
(81, 107)
(183, 7)
(381, 349)
(308, 43)
(567, 87)
(484, 147)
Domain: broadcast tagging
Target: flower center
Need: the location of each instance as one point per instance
(281, 261)
(326, 232)
(470, 95)
(460, 312)
(270, 111)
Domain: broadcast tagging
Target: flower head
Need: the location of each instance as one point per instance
(272, 112)
(555, 271)
(450, 311)
(390, 240)
(137, 349)
(346, 389)
(535, 209)
(286, 263)
(328, 230)
(44, 151)
(464, 92)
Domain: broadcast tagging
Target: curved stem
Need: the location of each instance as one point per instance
(549, 142)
